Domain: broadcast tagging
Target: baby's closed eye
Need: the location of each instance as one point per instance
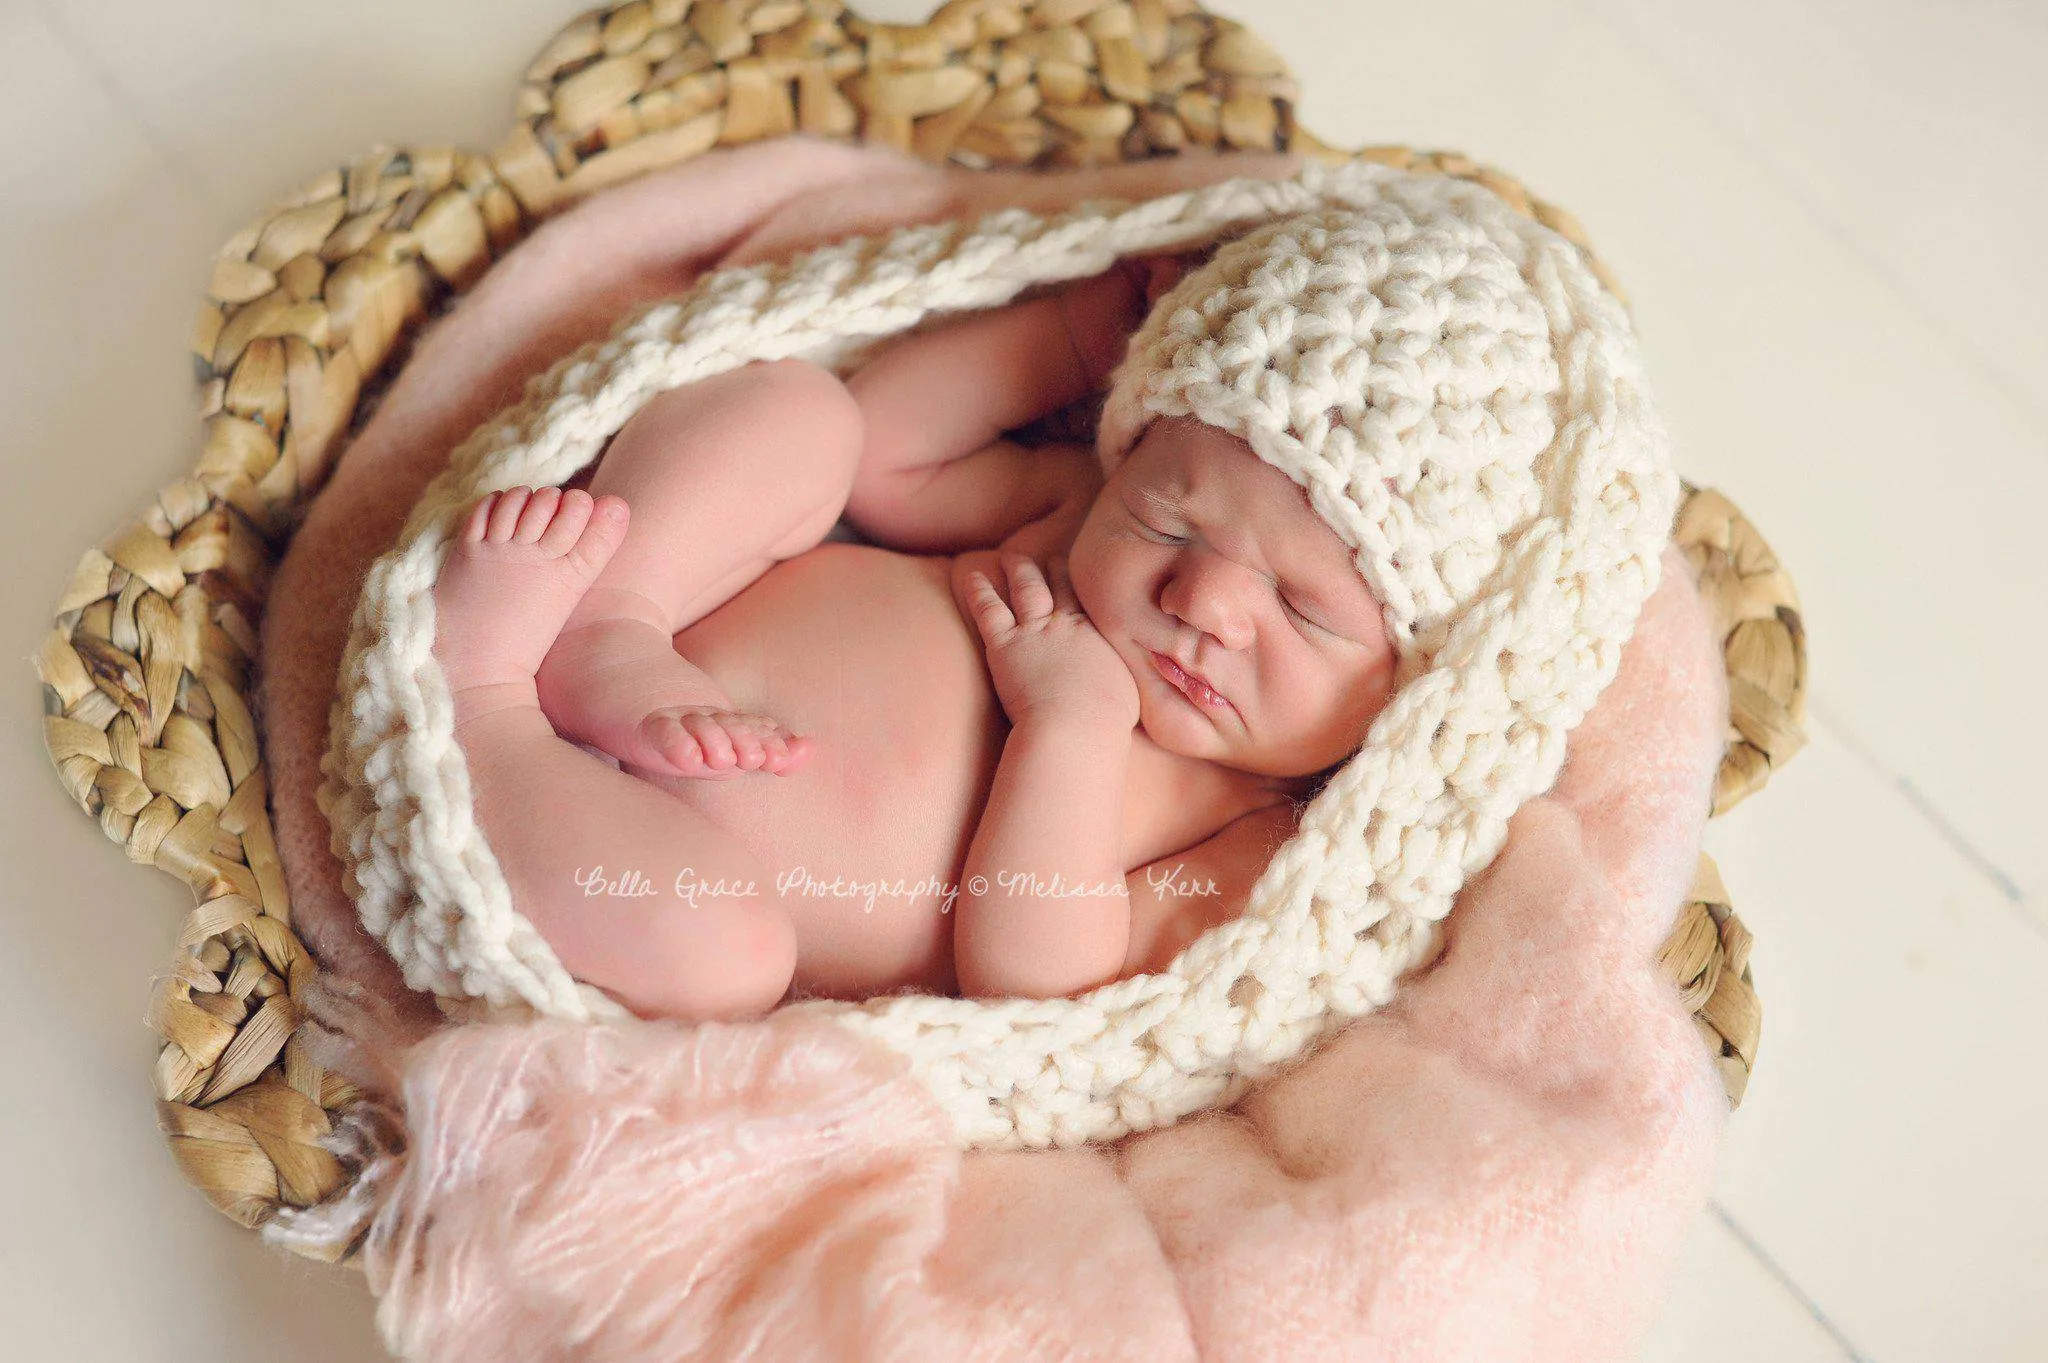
(1305, 616)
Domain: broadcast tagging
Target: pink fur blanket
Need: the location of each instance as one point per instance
(1498, 1165)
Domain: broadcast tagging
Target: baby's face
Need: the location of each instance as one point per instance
(1198, 550)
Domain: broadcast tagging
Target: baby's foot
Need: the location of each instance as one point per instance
(705, 741)
(615, 682)
(519, 564)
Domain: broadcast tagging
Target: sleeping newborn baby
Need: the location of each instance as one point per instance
(1038, 736)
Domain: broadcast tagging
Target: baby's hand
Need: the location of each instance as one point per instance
(1154, 275)
(1046, 657)
(1051, 536)
(1102, 311)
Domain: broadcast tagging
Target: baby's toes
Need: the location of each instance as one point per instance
(665, 733)
(774, 748)
(566, 526)
(538, 513)
(745, 733)
(780, 749)
(789, 751)
(479, 519)
(504, 519)
(713, 740)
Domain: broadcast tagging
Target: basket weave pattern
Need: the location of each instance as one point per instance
(146, 669)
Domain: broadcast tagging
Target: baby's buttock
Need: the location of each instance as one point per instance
(862, 650)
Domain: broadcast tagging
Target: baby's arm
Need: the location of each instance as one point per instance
(1177, 898)
(1056, 810)
(935, 474)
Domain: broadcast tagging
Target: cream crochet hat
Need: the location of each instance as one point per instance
(1447, 379)
(1395, 365)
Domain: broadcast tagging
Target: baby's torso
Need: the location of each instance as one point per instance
(864, 651)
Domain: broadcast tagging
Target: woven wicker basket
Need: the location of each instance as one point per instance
(146, 670)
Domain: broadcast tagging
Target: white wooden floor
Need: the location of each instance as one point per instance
(1824, 213)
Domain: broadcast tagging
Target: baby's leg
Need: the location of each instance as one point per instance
(565, 825)
(726, 477)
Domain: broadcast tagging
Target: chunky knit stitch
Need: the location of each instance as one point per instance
(1465, 407)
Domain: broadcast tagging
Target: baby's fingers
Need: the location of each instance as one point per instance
(1028, 588)
(990, 611)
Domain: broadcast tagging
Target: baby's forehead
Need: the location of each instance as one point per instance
(1181, 451)
(1189, 461)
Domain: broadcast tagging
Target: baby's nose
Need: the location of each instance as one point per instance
(1212, 606)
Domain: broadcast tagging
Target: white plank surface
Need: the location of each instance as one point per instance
(1912, 131)
(1886, 1156)
(1727, 1303)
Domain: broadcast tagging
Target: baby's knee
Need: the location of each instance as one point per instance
(828, 425)
(817, 441)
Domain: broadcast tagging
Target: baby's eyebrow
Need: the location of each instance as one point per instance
(1159, 501)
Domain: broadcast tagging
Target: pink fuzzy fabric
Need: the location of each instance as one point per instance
(1498, 1165)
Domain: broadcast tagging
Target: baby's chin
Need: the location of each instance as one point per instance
(1168, 734)
(1172, 725)
(1179, 734)
(1165, 742)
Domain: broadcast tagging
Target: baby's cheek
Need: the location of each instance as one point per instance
(1091, 571)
